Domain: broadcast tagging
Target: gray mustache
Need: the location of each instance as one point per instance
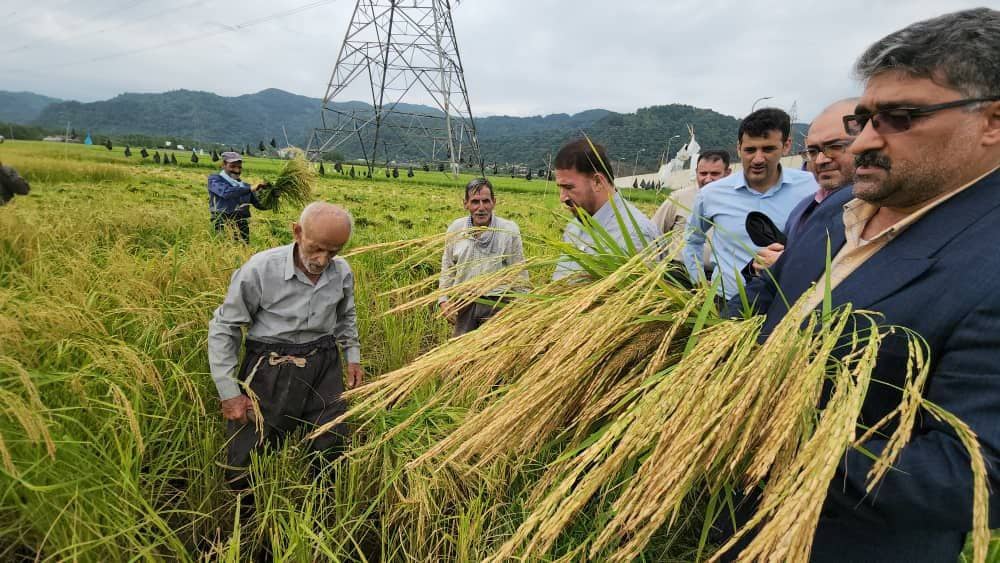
(873, 158)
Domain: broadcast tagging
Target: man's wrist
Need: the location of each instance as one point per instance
(353, 355)
(228, 389)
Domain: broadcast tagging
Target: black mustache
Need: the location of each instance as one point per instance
(873, 158)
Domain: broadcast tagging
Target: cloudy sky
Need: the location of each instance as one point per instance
(521, 57)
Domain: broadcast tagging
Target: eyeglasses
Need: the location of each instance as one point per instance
(833, 149)
(898, 120)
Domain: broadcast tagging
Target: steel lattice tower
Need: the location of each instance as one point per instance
(404, 50)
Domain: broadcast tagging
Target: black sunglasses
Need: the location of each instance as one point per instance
(897, 120)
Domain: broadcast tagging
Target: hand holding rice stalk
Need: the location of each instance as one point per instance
(293, 186)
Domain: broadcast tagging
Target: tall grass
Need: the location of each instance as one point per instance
(110, 435)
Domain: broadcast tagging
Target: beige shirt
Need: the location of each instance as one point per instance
(671, 218)
(471, 252)
(856, 250)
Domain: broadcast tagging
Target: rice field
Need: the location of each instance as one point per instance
(111, 438)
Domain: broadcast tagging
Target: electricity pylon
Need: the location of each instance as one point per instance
(405, 53)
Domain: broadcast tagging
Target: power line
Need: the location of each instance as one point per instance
(22, 20)
(175, 42)
(130, 5)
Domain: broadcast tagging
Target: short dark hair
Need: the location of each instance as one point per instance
(713, 155)
(586, 157)
(477, 184)
(758, 123)
(11, 184)
(962, 48)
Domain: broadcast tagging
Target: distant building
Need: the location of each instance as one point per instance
(289, 153)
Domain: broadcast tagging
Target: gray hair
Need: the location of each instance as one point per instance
(960, 48)
(324, 208)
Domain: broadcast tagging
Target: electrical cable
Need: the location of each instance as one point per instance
(175, 42)
(130, 5)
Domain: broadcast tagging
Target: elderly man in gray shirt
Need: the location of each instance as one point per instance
(479, 243)
(297, 305)
(585, 182)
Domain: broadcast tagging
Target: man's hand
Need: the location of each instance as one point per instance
(449, 312)
(355, 375)
(766, 257)
(260, 187)
(236, 408)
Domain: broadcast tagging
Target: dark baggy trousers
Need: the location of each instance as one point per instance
(297, 386)
(474, 315)
(236, 223)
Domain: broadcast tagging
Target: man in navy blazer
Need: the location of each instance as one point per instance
(918, 245)
(832, 165)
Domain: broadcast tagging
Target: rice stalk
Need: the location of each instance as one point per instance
(725, 412)
(981, 490)
(292, 187)
(128, 412)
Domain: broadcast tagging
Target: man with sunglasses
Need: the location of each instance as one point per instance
(830, 162)
(917, 247)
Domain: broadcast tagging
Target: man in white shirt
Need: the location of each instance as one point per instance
(672, 215)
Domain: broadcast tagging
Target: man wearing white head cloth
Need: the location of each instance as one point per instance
(296, 303)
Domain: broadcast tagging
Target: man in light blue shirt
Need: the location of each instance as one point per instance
(763, 185)
(585, 183)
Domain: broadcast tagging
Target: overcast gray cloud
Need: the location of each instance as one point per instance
(521, 57)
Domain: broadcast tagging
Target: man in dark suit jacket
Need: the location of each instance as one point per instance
(831, 163)
(917, 246)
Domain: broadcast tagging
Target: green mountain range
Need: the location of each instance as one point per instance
(251, 118)
(23, 107)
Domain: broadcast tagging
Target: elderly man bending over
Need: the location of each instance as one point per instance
(297, 304)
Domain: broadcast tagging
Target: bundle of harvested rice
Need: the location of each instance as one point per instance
(293, 186)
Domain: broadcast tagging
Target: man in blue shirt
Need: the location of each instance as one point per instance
(762, 186)
(229, 199)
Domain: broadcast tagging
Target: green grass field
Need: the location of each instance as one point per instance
(110, 433)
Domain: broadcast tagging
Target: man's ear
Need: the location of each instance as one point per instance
(600, 182)
(786, 149)
(991, 135)
(296, 231)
